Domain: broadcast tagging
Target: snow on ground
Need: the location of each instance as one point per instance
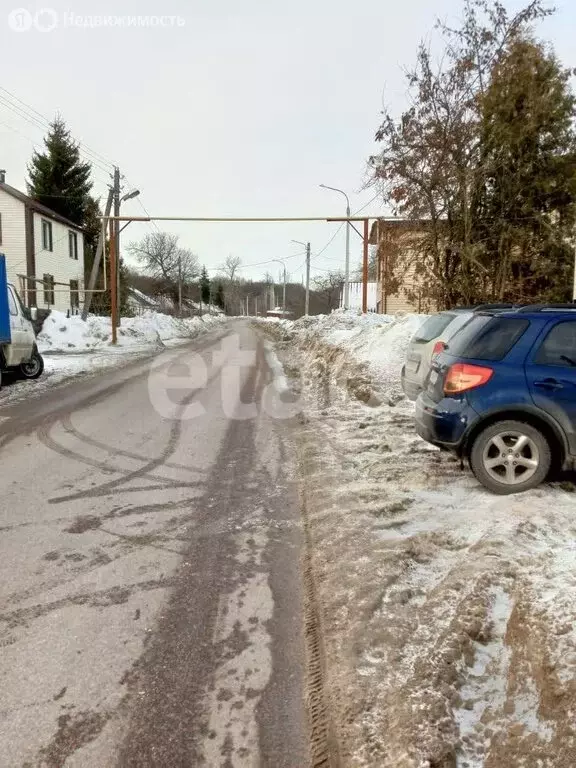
(71, 347)
(67, 334)
(450, 613)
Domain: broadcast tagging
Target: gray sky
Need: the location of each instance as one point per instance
(242, 110)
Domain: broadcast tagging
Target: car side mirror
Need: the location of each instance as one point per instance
(34, 314)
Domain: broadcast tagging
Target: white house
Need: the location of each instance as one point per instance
(44, 251)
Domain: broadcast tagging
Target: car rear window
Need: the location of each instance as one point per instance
(487, 338)
(433, 327)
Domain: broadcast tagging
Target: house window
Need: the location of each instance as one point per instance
(48, 289)
(47, 244)
(74, 296)
(73, 245)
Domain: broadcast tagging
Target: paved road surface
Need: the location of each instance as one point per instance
(149, 586)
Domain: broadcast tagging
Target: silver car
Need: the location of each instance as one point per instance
(432, 338)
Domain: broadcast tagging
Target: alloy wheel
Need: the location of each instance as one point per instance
(511, 458)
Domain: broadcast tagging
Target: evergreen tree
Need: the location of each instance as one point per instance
(529, 161)
(484, 162)
(219, 296)
(59, 178)
(205, 286)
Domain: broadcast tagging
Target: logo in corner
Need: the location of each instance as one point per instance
(20, 20)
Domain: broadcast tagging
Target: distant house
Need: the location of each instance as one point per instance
(284, 314)
(400, 286)
(44, 252)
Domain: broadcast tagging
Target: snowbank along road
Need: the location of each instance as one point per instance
(449, 614)
(149, 570)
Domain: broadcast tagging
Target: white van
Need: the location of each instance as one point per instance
(431, 339)
(20, 354)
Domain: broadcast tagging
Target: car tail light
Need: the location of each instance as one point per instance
(439, 347)
(462, 377)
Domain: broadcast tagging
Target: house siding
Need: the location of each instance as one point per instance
(13, 244)
(57, 263)
(397, 240)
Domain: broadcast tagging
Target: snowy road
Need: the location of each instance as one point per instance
(149, 570)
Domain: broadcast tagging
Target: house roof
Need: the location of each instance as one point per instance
(382, 224)
(38, 207)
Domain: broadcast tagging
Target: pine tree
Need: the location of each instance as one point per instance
(205, 286)
(59, 178)
(219, 296)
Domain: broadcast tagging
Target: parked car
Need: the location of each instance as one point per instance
(18, 350)
(430, 339)
(503, 396)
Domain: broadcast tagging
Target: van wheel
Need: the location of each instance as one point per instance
(33, 368)
(510, 457)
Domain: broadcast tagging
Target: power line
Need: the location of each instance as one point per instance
(44, 123)
(36, 146)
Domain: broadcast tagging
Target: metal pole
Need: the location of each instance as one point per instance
(307, 301)
(284, 292)
(180, 287)
(97, 259)
(365, 269)
(347, 264)
(117, 239)
(113, 283)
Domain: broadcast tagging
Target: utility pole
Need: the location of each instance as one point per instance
(113, 284)
(347, 263)
(180, 287)
(284, 291)
(97, 259)
(365, 268)
(117, 239)
(307, 301)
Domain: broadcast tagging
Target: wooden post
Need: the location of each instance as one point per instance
(113, 281)
(365, 269)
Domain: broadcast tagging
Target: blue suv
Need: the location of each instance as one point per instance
(503, 395)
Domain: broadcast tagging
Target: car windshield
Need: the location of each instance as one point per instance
(487, 338)
(433, 327)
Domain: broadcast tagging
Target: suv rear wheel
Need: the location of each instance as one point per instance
(510, 457)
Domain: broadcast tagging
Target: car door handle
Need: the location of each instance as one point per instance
(552, 384)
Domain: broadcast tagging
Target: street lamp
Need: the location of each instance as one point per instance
(130, 195)
(347, 265)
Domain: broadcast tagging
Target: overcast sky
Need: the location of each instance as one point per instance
(243, 108)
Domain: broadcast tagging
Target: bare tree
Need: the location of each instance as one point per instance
(165, 261)
(329, 287)
(231, 267)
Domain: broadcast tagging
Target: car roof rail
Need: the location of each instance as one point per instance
(547, 307)
(483, 307)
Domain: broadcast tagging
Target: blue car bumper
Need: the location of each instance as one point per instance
(445, 423)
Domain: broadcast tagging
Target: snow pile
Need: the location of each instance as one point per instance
(376, 344)
(150, 329)
(449, 612)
